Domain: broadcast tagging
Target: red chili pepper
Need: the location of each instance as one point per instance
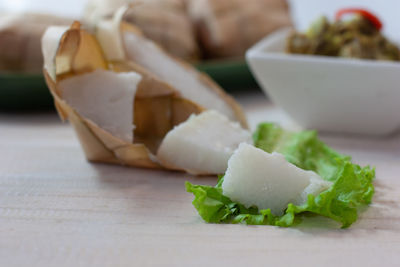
(365, 13)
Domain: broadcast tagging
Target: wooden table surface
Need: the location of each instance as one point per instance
(56, 209)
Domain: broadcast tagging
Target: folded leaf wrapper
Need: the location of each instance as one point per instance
(123, 41)
(156, 106)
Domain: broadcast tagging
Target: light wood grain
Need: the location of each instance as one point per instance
(56, 209)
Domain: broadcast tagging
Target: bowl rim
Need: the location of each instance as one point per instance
(263, 50)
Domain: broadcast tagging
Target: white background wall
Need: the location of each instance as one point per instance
(70, 8)
(303, 11)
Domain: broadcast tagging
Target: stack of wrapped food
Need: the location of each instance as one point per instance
(191, 30)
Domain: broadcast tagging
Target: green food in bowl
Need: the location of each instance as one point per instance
(356, 38)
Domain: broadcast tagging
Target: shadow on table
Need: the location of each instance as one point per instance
(116, 174)
(153, 189)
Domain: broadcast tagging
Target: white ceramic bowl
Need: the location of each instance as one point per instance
(327, 93)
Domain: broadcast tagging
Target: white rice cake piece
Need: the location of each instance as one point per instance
(104, 97)
(202, 144)
(266, 180)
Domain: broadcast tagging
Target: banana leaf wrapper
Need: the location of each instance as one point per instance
(158, 107)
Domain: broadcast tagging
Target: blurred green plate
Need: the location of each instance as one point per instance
(232, 75)
(29, 91)
(24, 91)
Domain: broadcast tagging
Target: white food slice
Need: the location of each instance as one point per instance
(186, 80)
(50, 41)
(95, 10)
(202, 144)
(109, 36)
(104, 97)
(257, 178)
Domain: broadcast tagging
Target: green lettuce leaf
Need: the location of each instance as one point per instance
(352, 185)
